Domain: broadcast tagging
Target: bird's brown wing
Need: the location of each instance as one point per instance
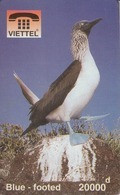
(56, 94)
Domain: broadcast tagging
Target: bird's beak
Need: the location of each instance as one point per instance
(87, 27)
(94, 22)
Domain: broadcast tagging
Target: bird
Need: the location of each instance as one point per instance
(69, 94)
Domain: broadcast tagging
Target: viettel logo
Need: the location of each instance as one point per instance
(23, 23)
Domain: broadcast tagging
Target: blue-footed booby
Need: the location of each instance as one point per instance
(68, 95)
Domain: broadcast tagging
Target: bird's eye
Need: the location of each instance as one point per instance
(82, 23)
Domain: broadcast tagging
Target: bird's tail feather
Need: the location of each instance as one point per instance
(28, 129)
(28, 94)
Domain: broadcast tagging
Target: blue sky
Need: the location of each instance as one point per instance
(40, 61)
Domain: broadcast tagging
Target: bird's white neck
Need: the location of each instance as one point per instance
(79, 45)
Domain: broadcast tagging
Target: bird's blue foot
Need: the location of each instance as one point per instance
(78, 138)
